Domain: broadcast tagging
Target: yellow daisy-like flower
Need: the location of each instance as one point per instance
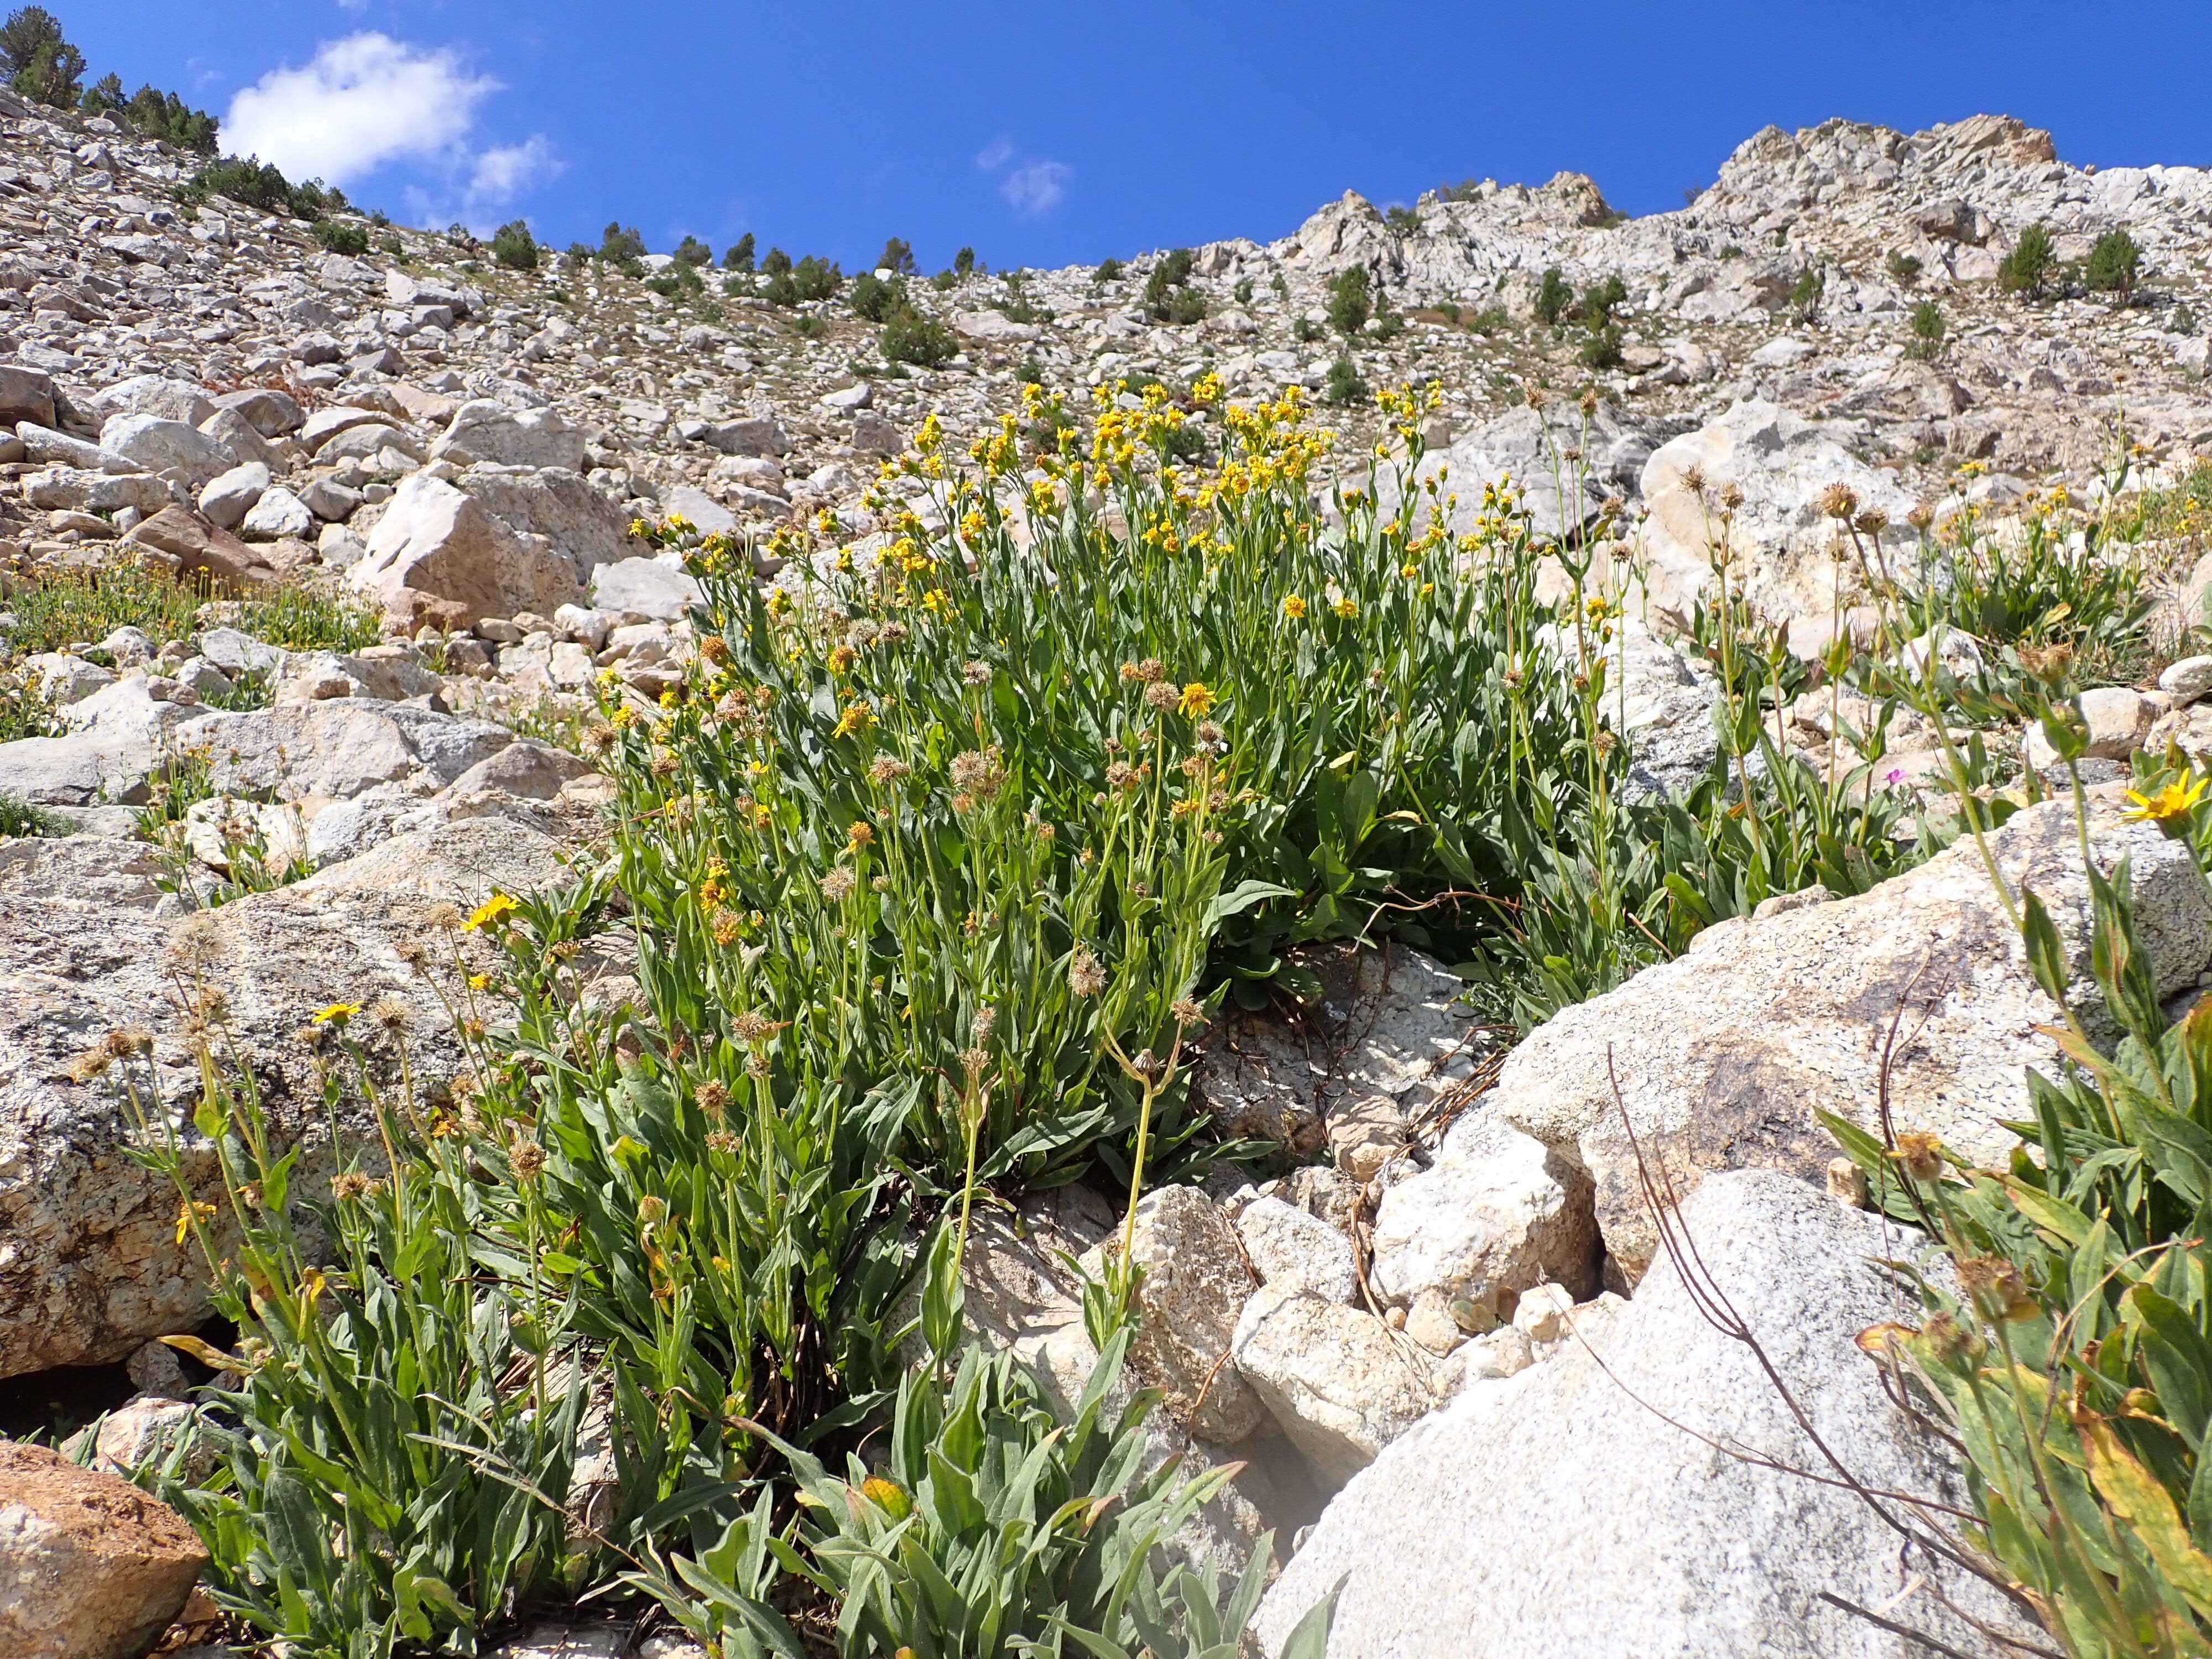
(189, 1213)
(1294, 606)
(337, 1013)
(2173, 801)
(488, 913)
(478, 981)
(1346, 607)
(1197, 698)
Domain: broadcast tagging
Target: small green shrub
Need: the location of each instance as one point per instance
(1491, 319)
(1109, 270)
(1403, 220)
(964, 264)
(738, 257)
(897, 258)
(1305, 331)
(1167, 290)
(1903, 268)
(1805, 293)
(991, 1528)
(20, 817)
(1603, 350)
(1345, 387)
(1349, 304)
(1029, 372)
(2115, 262)
(1553, 297)
(910, 337)
(513, 247)
(1927, 330)
(814, 278)
(1599, 300)
(620, 246)
(338, 237)
(875, 299)
(679, 280)
(944, 282)
(2031, 265)
(1243, 290)
(694, 253)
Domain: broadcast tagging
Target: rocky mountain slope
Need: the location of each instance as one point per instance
(454, 454)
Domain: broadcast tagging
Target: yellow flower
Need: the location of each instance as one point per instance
(337, 1014)
(1294, 606)
(478, 981)
(498, 905)
(1346, 607)
(188, 1214)
(311, 1283)
(1197, 698)
(2171, 802)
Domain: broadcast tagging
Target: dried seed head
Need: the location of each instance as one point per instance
(447, 916)
(1840, 502)
(1731, 495)
(751, 1027)
(412, 951)
(885, 769)
(651, 1209)
(986, 1020)
(1148, 1064)
(836, 884)
(1872, 522)
(1084, 977)
(350, 1185)
(975, 673)
(528, 1159)
(391, 1013)
(1920, 1154)
(127, 1041)
(90, 1064)
(199, 941)
(1186, 1012)
(1161, 697)
(1693, 480)
(1996, 1284)
(978, 772)
(974, 1060)
(1920, 516)
(713, 1098)
(722, 1140)
(715, 649)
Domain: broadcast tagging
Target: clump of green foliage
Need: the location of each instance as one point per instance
(20, 818)
(1928, 330)
(260, 184)
(1350, 300)
(337, 236)
(2070, 1344)
(513, 247)
(897, 258)
(738, 257)
(1903, 268)
(1344, 385)
(873, 297)
(1109, 270)
(154, 113)
(790, 283)
(40, 61)
(1805, 293)
(2115, 262)
(910, 337)
(2032, 264)
(1168, 297)
(1403, 220)
(1554, 295)
(694, 253)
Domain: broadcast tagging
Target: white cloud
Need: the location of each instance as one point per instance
(359, 102)
(995, 155)
(353, 5)
(1035, 188)
(505, 171)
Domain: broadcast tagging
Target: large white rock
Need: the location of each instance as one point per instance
(1194, 1282)
(1778, 538)
(1496, 1214)
(92, 1267)
(1549, 1512)
(91, 1567)
(229, 497)
(276, 514)
(488, 431)
(437, 549)
(645, 588)
(166, 446)
(1340, 1384)
(1723, 1054)
(1295, 1249)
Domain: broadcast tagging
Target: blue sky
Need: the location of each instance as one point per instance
(1046, 134)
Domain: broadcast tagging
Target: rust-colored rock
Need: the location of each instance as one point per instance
(203, 547)
(91, 1567)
